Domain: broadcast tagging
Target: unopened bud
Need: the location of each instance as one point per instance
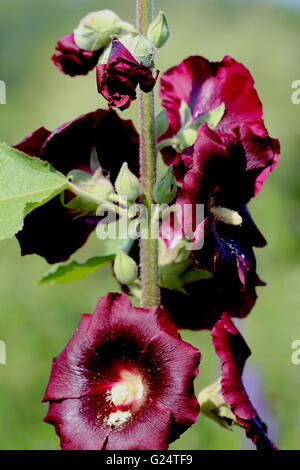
(158, 31)
(96, 29)
(125, 268)
(165, 188)
(139, 46)
(127, 184)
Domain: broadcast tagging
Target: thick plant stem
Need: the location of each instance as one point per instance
(148, 247)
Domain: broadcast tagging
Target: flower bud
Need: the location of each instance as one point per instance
(212, 405)
(127, 184)
(158, 31)
(96, 29)
(139, 46)
(165, 189)
(125, 268)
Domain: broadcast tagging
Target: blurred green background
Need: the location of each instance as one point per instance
(37, 321)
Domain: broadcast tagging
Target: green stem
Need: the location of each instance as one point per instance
(148, 152)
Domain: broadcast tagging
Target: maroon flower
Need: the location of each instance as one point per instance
(222, 178)
(72, 60)
(233, 353)
(118, 79)
(123, 382)
(204, 86)
(203, 302)
(231, 285)
(53, 231)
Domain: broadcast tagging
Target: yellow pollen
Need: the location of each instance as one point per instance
(228, 216)
(118, 418)
(129, 389)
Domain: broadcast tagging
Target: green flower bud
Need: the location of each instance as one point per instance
(96, 29)
(165, 189)
(139, 46)
(127, 184)
(95, 188)
(213, 405)
(158, 31)
(125, 268)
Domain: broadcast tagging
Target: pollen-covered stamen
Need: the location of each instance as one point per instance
(128, 390)
(228, 216)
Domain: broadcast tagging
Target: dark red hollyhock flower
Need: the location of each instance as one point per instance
(72, 60)
(228, 255)
(233, 353)
(118, 79)
(123, 382)
(204, 86)
(222, 179)
(53, 231)
(205, 300)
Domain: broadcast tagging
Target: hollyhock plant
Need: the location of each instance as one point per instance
(117, 80)
(72, 60)
(119, 383)
(233, 353)
(53, 230)
(125, 380)
(203, 86)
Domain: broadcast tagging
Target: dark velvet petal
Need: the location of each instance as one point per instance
(33, 143)
(77, 425)
(233, 353)
(118, 79)
(204, 86)
(53, 231)
(72, 60)
(205, 300)
(120, 337)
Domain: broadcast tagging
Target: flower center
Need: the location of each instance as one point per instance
(228, 216)
(129, 389)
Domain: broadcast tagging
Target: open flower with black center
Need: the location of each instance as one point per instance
(55, 231)
(203, 86)
(72, 60)
(118, 79)
(223, 179)
(233, 352)
(123, 382)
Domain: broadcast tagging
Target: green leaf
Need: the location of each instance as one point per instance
(193, 275)
(26, 183)
(74, 271)
(170, 275)
(187, 134)
(175, 275)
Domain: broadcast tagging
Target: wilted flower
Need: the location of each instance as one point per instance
(118, 79)
(203, 86)
(53, 230)
(123, 382)
(72, 60)
(233, 353)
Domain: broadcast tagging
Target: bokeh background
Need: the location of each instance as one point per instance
(37, 321)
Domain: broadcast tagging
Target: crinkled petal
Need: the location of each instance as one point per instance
(72, 60)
